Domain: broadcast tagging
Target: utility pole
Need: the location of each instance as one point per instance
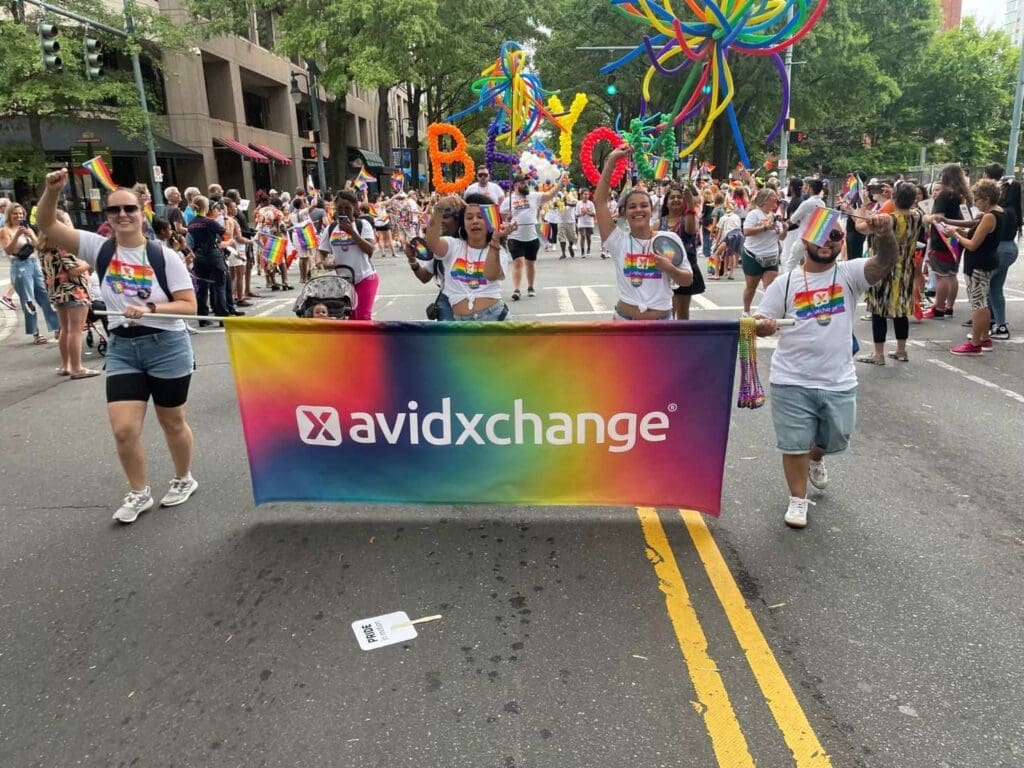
(784, 141)
(1018, 98)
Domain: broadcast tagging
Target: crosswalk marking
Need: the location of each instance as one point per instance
(565, 305)
(595, 300)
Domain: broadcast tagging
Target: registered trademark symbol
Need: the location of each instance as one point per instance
(672, 407)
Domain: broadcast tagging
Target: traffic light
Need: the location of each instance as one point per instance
(611, 89)
(49, 47)
(92, 56)
(309, 153)
(790, 124)
(797, 137)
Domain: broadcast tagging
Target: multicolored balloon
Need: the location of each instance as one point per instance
(516, 93)
(702, 44)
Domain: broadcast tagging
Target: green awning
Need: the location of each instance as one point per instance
(371, 160)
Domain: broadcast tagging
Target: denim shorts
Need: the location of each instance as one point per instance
(497, 311)
(163, 355)
(804, 417)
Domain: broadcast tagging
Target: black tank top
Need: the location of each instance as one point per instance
(984, 257)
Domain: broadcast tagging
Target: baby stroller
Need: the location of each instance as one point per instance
(336, 292)
(96, 334)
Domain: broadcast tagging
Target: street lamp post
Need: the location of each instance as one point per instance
(310, 78)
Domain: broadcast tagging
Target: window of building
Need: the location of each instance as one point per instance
(257, 109)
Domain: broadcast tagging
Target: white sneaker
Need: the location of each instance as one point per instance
(796, 515)
(179, 492)
(818, 475)
(135, 503)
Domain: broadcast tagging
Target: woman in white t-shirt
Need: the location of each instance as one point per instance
(644, 276)
(350, 241)
(585, 213)
(762, 232)
(147, 356)
(474, 261)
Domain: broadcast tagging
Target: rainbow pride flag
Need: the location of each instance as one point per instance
(275, 250)
(821, 222)
(582, 413)
(662, 168)
(102, 174)
(306, 236)
(852, 190)
(397, 181)
(363, 178)
(147, 209)
(491, 217)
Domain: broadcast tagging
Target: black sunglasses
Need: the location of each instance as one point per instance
(114, 210)
(835, 235)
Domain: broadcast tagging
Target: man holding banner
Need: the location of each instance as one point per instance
(813, 379)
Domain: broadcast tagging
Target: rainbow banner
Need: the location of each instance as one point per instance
(275, 250)
(99, 170)
(819, 225)
(578, 413)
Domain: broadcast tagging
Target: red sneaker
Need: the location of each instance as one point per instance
(967, 348)
(986, 345)
(934, 314)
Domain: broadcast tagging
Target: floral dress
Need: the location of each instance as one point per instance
(61, 286)
(894, 295)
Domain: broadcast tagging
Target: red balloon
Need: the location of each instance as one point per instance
(591, 171)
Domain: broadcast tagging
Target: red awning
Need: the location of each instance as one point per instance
(244, 151)
(274, 155)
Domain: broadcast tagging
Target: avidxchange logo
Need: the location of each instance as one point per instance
(322, 425)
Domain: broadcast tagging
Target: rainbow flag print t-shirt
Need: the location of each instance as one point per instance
(822, 304)
(127, 278)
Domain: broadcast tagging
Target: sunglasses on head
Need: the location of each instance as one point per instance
(114, 210)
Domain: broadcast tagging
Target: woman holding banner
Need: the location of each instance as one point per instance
(148, 356)
(644, 271)
(474, 261)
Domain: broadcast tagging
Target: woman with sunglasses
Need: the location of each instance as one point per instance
(148, 356)
(19, 242)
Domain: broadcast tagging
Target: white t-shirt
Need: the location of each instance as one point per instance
(492, 190)
(763, 243)
(552, 215)
(803, 213)
(568, 214)
(817, 351)
(524, 214)
(640, 282)
(345, 251)
(464, 272)
(585, 213)
(131, 282)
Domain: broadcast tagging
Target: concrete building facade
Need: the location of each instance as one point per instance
(230, 101)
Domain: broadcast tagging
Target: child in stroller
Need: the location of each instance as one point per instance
(335, 292)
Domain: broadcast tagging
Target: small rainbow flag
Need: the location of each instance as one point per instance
(307, 236)
(99, 170)
(147, 209)
(397, 181)
(662, 168)
(819, 225)
(492, 219)
(274, 250)
(364, 178)
(852, 189)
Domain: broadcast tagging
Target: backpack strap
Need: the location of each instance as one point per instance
(154, 253)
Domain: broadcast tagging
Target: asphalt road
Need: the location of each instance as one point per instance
(886, 634)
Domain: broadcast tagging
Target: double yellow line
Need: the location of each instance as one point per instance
(727, 739)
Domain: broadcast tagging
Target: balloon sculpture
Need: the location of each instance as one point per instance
(516, 93)
(703, 43)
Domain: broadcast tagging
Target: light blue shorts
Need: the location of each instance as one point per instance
(804, 417)
(164, 355)
(497, 311)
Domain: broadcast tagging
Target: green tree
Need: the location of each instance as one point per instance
(28, 91)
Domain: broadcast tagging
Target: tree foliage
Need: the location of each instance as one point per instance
(28, 91)
(873, 82)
